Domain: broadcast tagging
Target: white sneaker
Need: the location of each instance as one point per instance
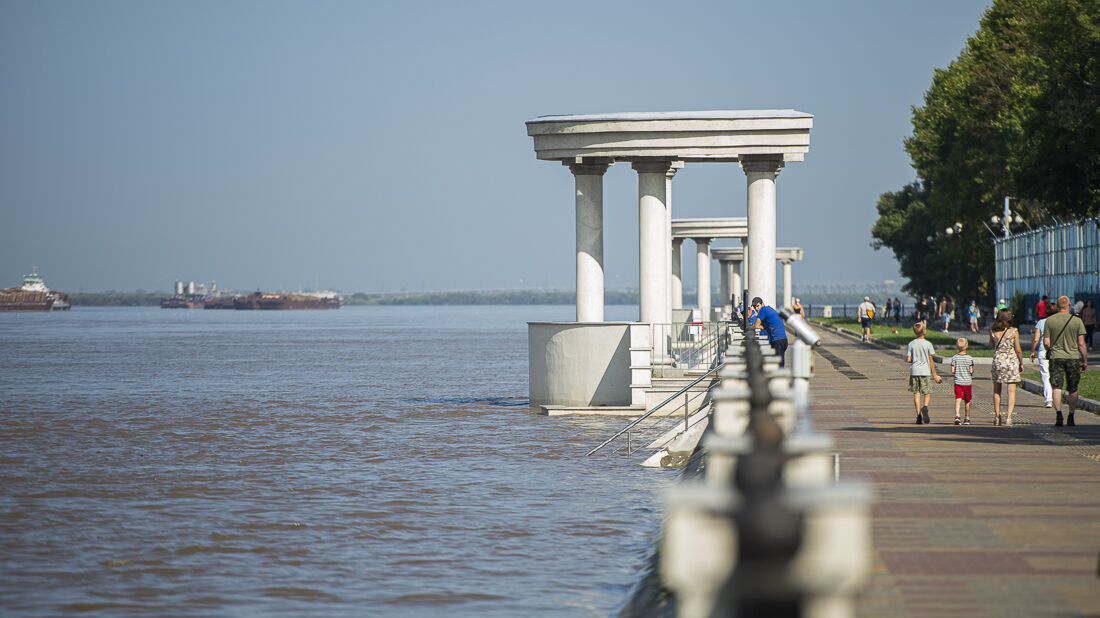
(1048, 404)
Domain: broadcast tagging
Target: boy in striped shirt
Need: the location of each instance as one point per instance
(962, 367)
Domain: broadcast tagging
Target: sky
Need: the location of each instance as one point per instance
(381, 146)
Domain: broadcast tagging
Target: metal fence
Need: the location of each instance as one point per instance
(1057, 260)
(687, 346)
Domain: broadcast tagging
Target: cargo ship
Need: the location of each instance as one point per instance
(183, 302)
(219, 302)
(33, 295)
(261, 301)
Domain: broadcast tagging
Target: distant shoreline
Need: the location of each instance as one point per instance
(611, 297)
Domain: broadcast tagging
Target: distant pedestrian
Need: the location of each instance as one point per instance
(1041, 307)
(1039, 351)
(948, 310)
(897, 312)
(1001, 304)
(1008, 362)
(962, 368)
(1064, 336)
(797, 307)
(972, 315)
(865, 312)
(1088, 316)
(922, 369)
(922, 310)
(771, 322)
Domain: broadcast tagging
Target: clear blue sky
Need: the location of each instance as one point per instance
(379, 146)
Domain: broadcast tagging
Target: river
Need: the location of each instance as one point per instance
(365, 461)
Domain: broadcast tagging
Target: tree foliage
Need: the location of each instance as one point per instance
(1016, 114)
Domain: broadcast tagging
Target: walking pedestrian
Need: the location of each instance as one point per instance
(922, 369)
(1038, 350)
(1064, 336)
(1041, 307)
(922, 310)
(897, 312)
(1008, 362)
(865, 312)
(1088, 316)
(972, 314)
(962, 368)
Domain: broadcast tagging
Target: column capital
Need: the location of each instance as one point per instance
(785, 262)
(703, 241)
(677, 242)
(591, 166)
(673, 168)
(655, 167)
(761, 164)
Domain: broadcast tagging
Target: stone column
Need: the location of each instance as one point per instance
(668, 238)
(735, 280)
(724, 282)
(702, 262)
(760, 173)
(787, 294)
(653, 240)
(590, 278)
(677, 273)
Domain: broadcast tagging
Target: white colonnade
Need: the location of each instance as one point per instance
(703, 232)
(656, 144)
(785, 257)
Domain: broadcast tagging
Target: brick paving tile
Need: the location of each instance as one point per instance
(968, 520)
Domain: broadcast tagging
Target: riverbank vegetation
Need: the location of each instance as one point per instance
(117, 299)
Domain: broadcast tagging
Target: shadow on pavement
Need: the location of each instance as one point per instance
(1016, 434)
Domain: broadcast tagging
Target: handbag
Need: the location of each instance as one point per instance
(1047, 351)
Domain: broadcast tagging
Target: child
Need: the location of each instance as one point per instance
(919, 356)
(962, 367)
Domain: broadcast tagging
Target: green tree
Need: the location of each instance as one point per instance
(1016, 114)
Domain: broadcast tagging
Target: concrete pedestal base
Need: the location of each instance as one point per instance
(587, 365)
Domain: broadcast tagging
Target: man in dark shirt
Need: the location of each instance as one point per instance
(771, 322)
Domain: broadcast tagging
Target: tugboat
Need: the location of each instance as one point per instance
(33, 295)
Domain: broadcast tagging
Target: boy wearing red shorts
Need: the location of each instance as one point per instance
(962, 367)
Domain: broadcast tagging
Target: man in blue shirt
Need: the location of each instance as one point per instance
(770, 321)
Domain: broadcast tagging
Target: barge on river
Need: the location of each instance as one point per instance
(33, 295)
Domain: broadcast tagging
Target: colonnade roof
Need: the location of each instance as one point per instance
(721, 135)
(728, 227)
(737, 254)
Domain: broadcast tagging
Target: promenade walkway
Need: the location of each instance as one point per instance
(968, 520)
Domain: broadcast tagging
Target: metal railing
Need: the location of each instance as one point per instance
(686, 346)
(641, 418)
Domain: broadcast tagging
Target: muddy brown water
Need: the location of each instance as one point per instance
(366, 461)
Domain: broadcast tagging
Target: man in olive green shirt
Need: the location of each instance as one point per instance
(1064, 336)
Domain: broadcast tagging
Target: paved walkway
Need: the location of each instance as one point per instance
(967, 521)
